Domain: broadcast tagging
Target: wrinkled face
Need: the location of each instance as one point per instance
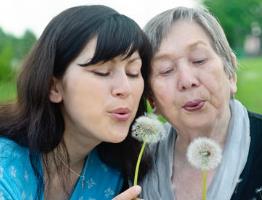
(100, 101)
(188, 80)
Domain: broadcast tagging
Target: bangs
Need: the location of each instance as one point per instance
(118, 35)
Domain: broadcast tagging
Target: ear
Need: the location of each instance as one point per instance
(151, 102)
(234, 60)
(233, 79)
(153, 105)
(233, 84)
(55, 94)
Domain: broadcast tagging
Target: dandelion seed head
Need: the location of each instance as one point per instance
(204, 153)
(148, 129)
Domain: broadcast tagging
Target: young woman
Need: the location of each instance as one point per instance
(67, 137)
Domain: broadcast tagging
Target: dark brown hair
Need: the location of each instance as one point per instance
(37, 123)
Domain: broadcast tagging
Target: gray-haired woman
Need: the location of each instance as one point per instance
(193, 81)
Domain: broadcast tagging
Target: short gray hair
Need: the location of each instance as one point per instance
(158, 27)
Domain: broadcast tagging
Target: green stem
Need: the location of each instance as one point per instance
(138, 162)
(204, 188)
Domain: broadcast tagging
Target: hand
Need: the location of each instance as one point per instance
(129, 194)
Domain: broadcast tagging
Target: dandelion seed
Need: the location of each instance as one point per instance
(204, 153)
(146, 129)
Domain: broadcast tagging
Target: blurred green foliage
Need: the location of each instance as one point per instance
(250, 83)
(12, 51)
(236, 18)
(7, 91)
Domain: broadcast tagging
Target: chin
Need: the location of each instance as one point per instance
(199, 124)
(117, 137)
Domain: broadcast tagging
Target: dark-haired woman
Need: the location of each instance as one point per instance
(67, 137)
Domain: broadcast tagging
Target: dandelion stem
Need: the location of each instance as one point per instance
(138, 162)
(204, 188)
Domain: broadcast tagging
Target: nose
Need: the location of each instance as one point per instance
(187, 78)
(121, 85)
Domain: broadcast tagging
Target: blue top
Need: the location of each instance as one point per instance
(18, 181)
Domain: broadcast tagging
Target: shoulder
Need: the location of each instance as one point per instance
(15, 169)
(11, 152)
(256, 131)
(256, 137)
(255, 115)
(251, 181)
(255, 121)
(9, 147)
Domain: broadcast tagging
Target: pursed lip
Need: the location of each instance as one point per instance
(121, 113)
(194, 105)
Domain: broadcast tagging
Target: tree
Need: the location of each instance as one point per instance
(6, 54)
(24, 44)
(12, 51)
(236, 18)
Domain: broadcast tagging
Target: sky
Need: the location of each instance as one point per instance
(18, 15)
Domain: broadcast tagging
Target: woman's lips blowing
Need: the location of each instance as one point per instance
(194, 105)
(121, 114)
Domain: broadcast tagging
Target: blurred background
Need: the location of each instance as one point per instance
(21, 23)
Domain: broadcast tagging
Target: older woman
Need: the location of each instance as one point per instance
(193, 81)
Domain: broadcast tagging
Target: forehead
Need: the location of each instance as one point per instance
(89, 50)
(183, 35)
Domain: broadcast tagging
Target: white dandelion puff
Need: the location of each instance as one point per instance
(204, 153)
(148, 129)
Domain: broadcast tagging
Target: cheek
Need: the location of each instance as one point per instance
(213, 79)
(138, 88)
(80, 93)
(162, 91)
(218, 87)
(78, 100)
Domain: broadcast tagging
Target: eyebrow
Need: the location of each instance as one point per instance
(130, 59)
(137, 58)
(196, 44)
(164, 56)
(167, 56)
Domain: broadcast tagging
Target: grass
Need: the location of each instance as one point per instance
(249, 85)
(7, 91)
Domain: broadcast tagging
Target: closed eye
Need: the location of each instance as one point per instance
(133, 75)
(199, 62)
(101, 73)
(166, 72)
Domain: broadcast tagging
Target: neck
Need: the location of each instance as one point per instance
(216, 130)
(78, 147)
(63, 179)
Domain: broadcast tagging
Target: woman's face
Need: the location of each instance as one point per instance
(188, 80)
(100, 101)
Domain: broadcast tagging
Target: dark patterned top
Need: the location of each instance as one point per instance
(250, 184)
